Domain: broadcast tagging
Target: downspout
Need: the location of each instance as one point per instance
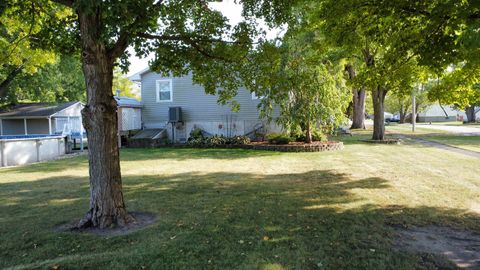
(25, 126)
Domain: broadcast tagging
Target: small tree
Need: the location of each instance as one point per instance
(308, 89)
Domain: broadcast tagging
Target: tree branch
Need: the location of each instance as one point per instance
(68, 3)
(120, 46)
(8, 80)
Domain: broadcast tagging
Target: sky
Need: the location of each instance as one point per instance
(229, 9)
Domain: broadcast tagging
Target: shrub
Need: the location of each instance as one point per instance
(319, 136)
(196, 133)
(278, 138)
(236, 140)
(217, 140)
(316, 136)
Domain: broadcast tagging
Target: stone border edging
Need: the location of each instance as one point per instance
(283, 148)
(320, 147)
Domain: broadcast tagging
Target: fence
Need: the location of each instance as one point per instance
(18, 150)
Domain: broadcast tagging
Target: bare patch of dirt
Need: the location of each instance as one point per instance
(142, 220)
(437, 243)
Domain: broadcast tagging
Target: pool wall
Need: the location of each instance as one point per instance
(19, 151)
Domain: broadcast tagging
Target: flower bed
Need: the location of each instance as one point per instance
(298, 146)
(291, 147)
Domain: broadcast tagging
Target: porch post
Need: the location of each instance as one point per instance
(3, 153)
(25, 125)
(1, 127)
(49, 126)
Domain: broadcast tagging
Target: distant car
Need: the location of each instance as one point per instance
(392, 119)
(389, 118)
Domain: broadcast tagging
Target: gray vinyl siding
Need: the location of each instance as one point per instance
(196, 104)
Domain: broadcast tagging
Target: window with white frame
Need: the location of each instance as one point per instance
(254, 96)
(164, 91)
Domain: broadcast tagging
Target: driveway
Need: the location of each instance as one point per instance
(453, 129)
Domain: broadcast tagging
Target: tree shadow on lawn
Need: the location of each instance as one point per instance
(139, 154)
(307, 220)
(180, 154)
(77, 162)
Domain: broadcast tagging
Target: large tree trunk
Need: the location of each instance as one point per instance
(378, 97)
(470, 112)
(358, 101)
(107, 206)
(4, 85)
(403, 113)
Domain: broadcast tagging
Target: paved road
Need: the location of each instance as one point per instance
(466, 130)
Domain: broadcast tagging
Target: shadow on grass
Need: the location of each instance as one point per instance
(135, 154)
(309, 220)
(139, 154)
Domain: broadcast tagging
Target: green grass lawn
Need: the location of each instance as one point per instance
(445, 137)
(455, 123)
(464, 142)
(242, 209)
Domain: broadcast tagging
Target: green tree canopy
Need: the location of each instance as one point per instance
(60, 81)
(123, 84)
(19, 53)
(301, 83)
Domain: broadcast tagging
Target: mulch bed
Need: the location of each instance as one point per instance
(386, 141)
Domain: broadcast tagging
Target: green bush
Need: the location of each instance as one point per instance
(319, 136)
(316, 136)
(278, 138)
(217, 140)
(196, 133)
(236, 140)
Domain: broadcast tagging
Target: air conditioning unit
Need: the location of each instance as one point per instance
(175, 114)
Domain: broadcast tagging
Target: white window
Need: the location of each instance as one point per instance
(164, 91)
(254, 96)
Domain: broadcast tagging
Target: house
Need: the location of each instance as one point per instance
(42, 119)
(177, 105)
(443, 113)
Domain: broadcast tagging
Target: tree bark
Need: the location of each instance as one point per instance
(107, 205)
(8, 80)
(470, 112)
(378, 97)
(358, 101)
(403, 113)
(308, 134)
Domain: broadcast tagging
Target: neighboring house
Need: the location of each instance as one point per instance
(129, 114)
(197, 109)
(42, 119)
(444, 113)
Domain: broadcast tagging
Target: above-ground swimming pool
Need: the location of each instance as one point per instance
(24, 149)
